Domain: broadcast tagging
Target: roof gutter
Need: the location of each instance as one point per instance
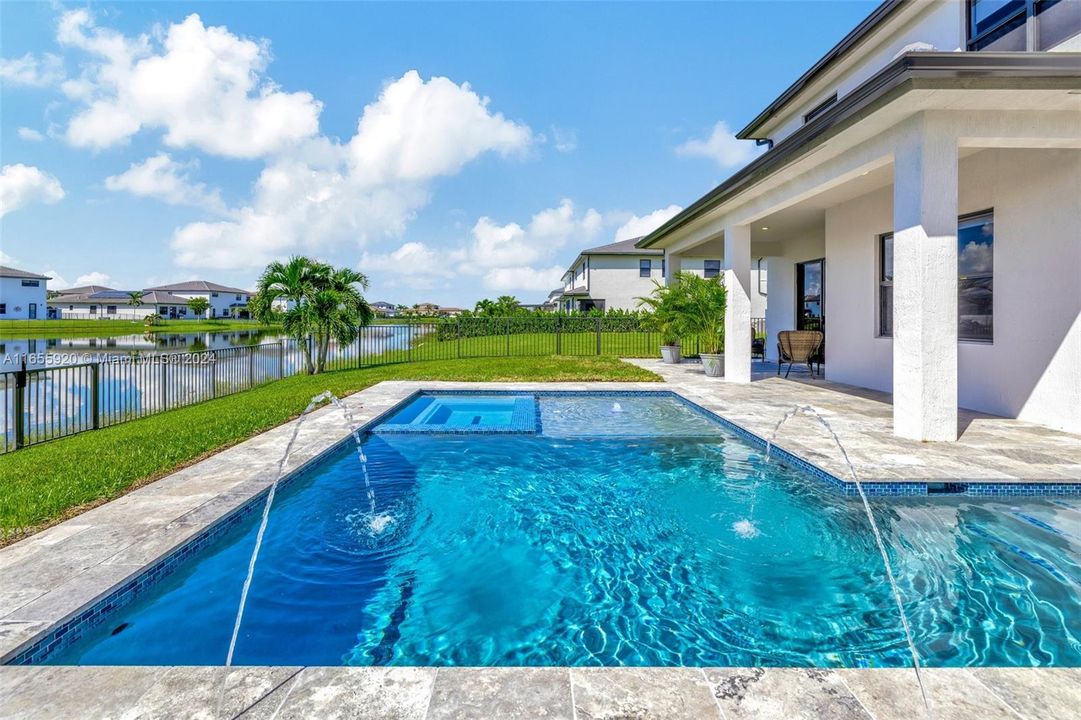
(918, 70)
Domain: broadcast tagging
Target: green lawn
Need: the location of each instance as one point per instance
(37, 329)
(45, 483)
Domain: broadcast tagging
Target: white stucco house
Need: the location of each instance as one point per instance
(95, 302)
(22, 294)
(224, 301)
(920, 200)
(614, 276)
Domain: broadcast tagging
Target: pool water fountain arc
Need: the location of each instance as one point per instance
(377, 523)
(746, 528)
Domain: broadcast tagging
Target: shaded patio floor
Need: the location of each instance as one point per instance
(990, 448)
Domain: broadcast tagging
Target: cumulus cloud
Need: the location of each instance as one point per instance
(204, 86)
(637, 226)
(508, 256)
(56, 280)
(163, 178)
(92, 278)
(22, 184)
(564, 141)
(30, 134)
(365, 189)
(721, 146)
(32, 71)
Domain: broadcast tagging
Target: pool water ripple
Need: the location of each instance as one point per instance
(587, 545)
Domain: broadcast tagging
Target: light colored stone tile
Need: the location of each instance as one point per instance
(954, 694)
(349, 693)
(48, 693)
(783, 694)
(1035, 693)
(81, 590)
(207, 693)
(13, 635)
(501, 694)
(642, 694)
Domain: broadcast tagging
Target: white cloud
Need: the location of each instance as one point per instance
(30, 134)
(8, 260)
(638, 226)
(92, 278)
(204, 86)
(21, 184)
(564, 141)
(721, 146)
(504, 257)
(32, 71)
(162, 177)
(369, 188)
(57, 281)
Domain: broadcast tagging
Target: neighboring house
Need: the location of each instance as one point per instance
(22, 294)
(224, 301)
(919, 202)
(614, 276)
(384, 309)
(94, 302)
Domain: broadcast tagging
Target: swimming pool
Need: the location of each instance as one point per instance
(604, 536)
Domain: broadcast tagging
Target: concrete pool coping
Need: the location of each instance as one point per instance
(52, 576)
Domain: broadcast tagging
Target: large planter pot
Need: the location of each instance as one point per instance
(713, 364)
(671, 354)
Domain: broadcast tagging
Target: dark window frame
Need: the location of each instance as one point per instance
(711, 266)
(883, 284)
(880, 271)
(1026, 11)
(31, 283)
(645, 268)
(820, 108)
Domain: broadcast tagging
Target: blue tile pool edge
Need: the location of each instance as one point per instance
(39, 647)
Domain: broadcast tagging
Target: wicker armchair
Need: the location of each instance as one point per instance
(798, 346)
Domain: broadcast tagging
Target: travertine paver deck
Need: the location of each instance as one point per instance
(990, 448)
(50, 576)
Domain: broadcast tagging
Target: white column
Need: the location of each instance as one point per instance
(925, 284)
(672, 264)
(737, 313)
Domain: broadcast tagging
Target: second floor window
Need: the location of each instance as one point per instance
(1020, 25)
(712, 268)
(645, 267)
(31, 283)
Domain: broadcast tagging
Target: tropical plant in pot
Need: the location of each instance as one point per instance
(702, 303)
(666, 318)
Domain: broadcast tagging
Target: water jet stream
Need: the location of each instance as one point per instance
(811, 411)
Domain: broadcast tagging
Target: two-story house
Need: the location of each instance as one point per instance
(919, 202)
(22, 294)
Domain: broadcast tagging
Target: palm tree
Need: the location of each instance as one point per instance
(507, 305)
(484, 307)
(135, 298)
(325, 303)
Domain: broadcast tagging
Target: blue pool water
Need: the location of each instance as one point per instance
(607, 539)
(456, 413)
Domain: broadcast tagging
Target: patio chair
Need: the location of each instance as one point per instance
(798, 346)
(758, 346)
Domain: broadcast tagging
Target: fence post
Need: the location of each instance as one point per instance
(459, 323)
(214, 375)
(598, 336)
(559, 334)
(251, 366)
(164, 380)
(95, 414)
(409, 350)
(20, 406)
(508, 337)
(360, 331)
(281, 359)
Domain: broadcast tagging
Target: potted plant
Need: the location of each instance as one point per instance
(666, 318)
(702, 303)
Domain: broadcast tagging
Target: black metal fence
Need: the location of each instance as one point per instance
(44, 403)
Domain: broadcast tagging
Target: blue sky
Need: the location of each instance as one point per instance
(450, 151)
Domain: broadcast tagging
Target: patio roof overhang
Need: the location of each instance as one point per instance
(911, 72)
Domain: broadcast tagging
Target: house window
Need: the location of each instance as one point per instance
(712, 268)
(110, 309)
(213, 294)
(820, 108)
(763, 277)
(1020, 25)
(3, 308)
(664, 267)
(238, 297)
(31, 283)
(975, 279)
(93, 309)
(645, 267)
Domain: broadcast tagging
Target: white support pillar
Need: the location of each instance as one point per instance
(925, 284)
(737, 313)
(672, 266)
